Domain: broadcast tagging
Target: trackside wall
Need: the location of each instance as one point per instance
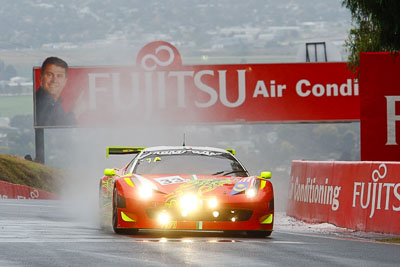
(357, 195)
(15, 191)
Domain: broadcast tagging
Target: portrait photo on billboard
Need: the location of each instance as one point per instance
(50, 84)
(159, 89)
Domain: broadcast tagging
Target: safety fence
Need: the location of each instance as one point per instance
(15, 191)
(360, 195)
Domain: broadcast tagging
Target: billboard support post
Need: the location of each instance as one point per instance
(39, 145)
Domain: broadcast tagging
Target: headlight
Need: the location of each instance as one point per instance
(189, 203)
(145, 187)
(212, 203)
(163, 218)
(251, 192)
(145, 191)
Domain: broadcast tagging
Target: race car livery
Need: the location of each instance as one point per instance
(185, 188)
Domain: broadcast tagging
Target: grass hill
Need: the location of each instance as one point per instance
(25, 172)
(16, 105)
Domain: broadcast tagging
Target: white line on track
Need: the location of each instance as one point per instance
(27, 205)
(362, 240)
(133, 240)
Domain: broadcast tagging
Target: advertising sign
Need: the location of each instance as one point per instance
(16, 191)
(380, 106)
(357, 195)
(160, 89)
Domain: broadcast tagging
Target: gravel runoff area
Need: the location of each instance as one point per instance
(287, 223)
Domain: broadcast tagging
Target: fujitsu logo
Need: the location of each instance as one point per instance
(150, 62)
(376, 195)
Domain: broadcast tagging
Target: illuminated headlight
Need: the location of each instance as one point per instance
(145, 191)
(250, 193)
(215, 214)
(189, 203)
(212, 203)
(163, 218)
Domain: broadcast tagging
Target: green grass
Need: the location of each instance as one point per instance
(389, 240)
(16, 105)
(20, 171)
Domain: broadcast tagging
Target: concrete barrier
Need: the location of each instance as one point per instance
(362, 195)
(15, 191)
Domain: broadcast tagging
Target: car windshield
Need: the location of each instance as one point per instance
(188, 162)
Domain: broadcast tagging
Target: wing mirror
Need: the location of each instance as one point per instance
(265, 175)
(109, 172)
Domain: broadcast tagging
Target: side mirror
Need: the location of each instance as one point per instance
(265, 175)
(109, 172)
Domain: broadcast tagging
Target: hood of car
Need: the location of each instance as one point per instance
(199, 184)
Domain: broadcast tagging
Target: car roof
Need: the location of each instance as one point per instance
(157, 148)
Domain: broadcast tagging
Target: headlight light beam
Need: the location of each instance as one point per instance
(189, 203)
(163, 218)
(212, 203)
(250, 193)
(145, 192)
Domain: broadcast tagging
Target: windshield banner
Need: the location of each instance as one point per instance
(160, 89)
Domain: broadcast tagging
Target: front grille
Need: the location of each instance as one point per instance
(204, 215)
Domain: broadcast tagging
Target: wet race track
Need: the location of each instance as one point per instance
(42, 233)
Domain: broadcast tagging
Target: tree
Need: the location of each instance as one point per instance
(378, 27)
(6, 71)
(22, 142)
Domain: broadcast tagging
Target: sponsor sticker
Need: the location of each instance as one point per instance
(170, 180)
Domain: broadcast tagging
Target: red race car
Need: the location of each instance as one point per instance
(185, 188)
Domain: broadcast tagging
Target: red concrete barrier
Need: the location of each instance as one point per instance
(357, 195)
(15, 191)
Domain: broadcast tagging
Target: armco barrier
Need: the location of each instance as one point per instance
(358, 195)
(15, 191)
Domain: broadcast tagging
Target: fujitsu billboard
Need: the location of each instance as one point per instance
(380, 106)
(160, 89)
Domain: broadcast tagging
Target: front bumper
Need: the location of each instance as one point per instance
(232, 215)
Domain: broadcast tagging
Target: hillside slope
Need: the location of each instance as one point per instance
(20, 171)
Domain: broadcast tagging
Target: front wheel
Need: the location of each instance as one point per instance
(115, 211)
(259, 234)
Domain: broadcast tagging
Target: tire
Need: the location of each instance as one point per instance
(258, 234)
(115, 211)
(233, 233)
(120, 231)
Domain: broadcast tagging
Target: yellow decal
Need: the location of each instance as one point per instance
(268, 219)
(107, 187)
(126, 218)
(170, 225)
(201, 186)
(262, 185)
(129, 182)
(150, 160)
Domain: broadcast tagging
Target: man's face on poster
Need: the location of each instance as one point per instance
(53, 80)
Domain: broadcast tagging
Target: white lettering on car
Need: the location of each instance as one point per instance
(170, 180)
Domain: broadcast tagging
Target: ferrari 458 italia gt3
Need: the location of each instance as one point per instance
(185, 188)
